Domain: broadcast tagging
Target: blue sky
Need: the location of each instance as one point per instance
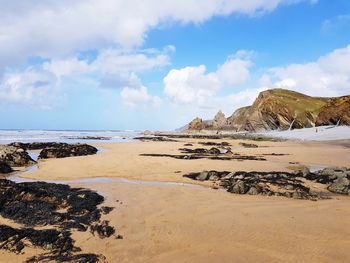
(117, 64)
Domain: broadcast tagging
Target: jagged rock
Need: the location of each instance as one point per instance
(15, 157)
(196, 124)
(67, 150)
(5, 168)
(219, 120)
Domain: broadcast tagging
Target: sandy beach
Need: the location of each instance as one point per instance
(187, 223)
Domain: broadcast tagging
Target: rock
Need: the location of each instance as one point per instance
(213, 176)
(154, 139)
(15, 157)
(67, 150)
(5, 168)
(203, 176)
(239, 188)
(281, 109)
(214, 151)
(219, 120)
(103, 229)
(340, 186)
(254, 191)
(196, 124)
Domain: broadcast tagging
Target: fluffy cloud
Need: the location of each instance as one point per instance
(34, 86)
(53, 28)
(112, 68)
(138, 96)
(194, 85)
(328, 76)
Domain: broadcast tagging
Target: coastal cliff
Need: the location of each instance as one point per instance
(280, 109)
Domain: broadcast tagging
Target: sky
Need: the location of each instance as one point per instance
(136, 65)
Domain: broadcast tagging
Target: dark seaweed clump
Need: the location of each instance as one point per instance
(38, 204)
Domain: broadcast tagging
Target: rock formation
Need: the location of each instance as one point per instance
(281, 109)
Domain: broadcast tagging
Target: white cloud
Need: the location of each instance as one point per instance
(112, 68)
(138, 96)
(194, 85)
(33, 86)
(190, 84)
(53, 28)
(328, 76)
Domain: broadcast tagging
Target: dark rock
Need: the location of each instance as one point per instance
(106, 209)
(67, 150)
(155, 139)
(5, 168)
(215, 151)
(103, 229)
(262, 183)
(220, 144)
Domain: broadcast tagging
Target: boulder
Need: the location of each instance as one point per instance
(340, 186)
(67, 150)
(15, 157)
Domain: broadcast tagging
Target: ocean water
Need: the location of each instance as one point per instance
(8, 136)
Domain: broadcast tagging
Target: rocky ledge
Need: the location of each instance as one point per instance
(58, 206)
(292, 185)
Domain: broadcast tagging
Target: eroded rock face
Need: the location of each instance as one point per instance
(44, 204)
(15, 157)
(63, 150)
(281, 109)
(337, 111)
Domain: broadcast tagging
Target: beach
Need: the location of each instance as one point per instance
(164, 216)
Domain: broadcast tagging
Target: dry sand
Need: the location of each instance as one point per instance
(170, 223)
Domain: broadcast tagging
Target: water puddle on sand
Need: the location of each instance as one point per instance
(19, 179)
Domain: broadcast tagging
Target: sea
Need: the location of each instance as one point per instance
(68, 136)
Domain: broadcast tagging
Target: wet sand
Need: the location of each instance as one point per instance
(173, 223)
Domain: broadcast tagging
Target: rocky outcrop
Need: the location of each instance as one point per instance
(15, 157)
(57, 206)
(292, 185)
(219, 120)
(336, 111)
(338, 179)
(63, 150)
(281, 109)
(196, 124)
